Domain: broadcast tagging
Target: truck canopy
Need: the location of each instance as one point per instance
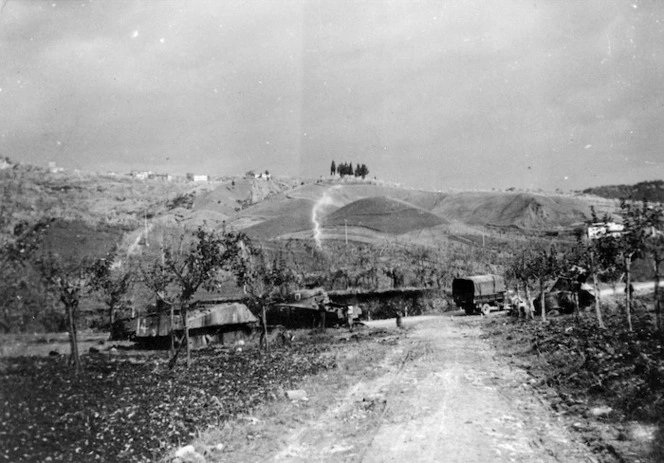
(479, 285)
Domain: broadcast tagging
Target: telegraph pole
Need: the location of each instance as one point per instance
(346, 231)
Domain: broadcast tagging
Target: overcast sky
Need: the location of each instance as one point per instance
(433, 94)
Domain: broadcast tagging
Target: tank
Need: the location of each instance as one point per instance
(307, 308)
(560, 297)
(224, 323)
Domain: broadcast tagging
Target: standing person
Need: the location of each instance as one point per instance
(629, 289)
(321, 315)
(349, 317)
(263, 327)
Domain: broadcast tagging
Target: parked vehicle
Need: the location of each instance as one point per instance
(479, 293)
(223, 323)
(307, 308)
(561, 295)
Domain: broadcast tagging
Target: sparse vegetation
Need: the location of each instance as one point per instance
(589, 366)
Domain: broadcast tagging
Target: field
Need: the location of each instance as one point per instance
(103, 413)
(40, 345)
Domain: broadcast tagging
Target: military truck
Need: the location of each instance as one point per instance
(479, 293)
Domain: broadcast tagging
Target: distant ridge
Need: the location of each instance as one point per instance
(652, 191)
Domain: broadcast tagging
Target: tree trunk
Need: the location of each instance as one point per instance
(172, 331)
(73, 337)
(658, 314)
(529, 302)
(111, 316)
(628, 292)
(542, 300)
(267, 342)
(183, 309)
(575, 295)
(598, 308)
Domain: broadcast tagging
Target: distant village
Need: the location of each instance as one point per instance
(189, 177)
(6, 163)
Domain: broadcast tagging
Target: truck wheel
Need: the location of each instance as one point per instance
(469, 310)
(486, 309)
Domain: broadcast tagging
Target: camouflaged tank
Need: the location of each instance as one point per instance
(225, 323)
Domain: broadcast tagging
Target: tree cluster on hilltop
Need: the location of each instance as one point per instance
(652, 191)
(344, 169)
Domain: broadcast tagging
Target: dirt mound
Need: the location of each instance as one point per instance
(384, 214)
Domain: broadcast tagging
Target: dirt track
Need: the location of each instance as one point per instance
(442, 396)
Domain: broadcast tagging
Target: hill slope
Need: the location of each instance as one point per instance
(521, 210)
(387, 215)
(651, 191)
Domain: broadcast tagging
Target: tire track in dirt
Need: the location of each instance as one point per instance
(460, 403)
(440, 395)
(339, 434)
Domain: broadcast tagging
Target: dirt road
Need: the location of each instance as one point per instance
(441, 395)
(643, 287)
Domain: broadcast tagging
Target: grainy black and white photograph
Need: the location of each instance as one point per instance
(356, 231)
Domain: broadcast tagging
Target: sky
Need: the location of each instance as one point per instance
(436, 95)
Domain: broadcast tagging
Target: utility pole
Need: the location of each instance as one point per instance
(346, 231)
(145, 218)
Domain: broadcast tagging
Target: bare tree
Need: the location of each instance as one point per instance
(654, 248)
(631, 244)
(112, 280)
(198, 263)
(518, 271)
(67, 279)
(263, 279)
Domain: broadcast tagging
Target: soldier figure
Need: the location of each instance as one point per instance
(349, 317)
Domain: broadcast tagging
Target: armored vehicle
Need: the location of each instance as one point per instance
(208, 324)
(560, 297)
(307, 308)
